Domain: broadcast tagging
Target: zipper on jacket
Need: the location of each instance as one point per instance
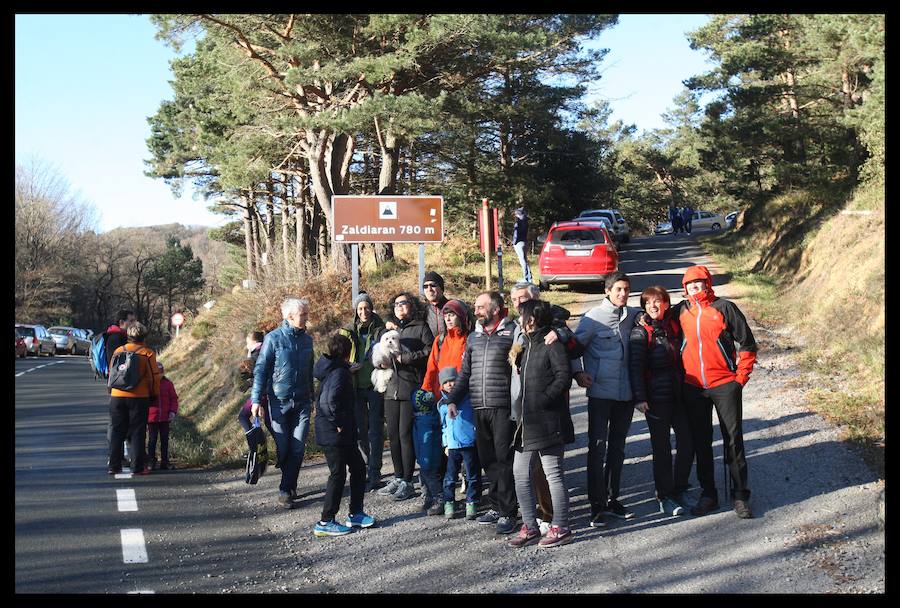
(700, 343)
(484, 369)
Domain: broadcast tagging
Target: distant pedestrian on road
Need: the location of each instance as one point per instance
(542, 423)
(656, 381)
(162, 412)
(458, 437)
(409, 369)
(687, 214)
(520, 242)
(677, 221)
(364, 330)
(113, 338)
(336, 432)
(604, 332)
(715, 375)
(128, 409)
(485, 377)
(283, 372)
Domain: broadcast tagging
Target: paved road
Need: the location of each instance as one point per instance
(207, 531)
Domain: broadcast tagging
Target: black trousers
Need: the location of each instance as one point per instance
(727, 400)
(339, 459)
(608, 425)
(399, 415)
(493, 438)
(160, 429)
(129, 419)
(661, 418)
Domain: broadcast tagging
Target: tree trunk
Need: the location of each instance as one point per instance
(387, 184)
(319, 174)
(248, 244)
(270, 223)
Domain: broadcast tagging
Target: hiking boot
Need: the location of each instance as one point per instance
(670, 507)
(437, 508)
(360, 520)
(373, 484)
(390, 488)
(331, 528)
(525, 537)
(471, 510)
(404, 491)
(617, 509)
(284, 499)
(488, 518)
(705, 505)
(742, 508)
(598, 520)
(556, 536)
(506, 525)
(449, 509)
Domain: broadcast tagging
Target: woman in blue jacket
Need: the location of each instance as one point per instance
(336, 433)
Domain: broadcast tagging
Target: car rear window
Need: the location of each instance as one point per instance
(582, 235)
(604, 214)
(59, 331)
(26, 331)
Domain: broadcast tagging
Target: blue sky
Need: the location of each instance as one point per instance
(85, 85)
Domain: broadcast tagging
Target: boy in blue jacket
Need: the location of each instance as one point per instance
(336, 433)
(458, 436)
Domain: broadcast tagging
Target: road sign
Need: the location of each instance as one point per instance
(387, 219)
(178, 319)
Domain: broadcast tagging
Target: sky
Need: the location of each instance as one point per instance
(85, 85)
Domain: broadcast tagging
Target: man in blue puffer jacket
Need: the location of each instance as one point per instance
(283, 372)
(458, 436)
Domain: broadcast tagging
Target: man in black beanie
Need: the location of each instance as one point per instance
(433, 286)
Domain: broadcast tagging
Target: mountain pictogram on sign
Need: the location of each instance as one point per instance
(387, 210)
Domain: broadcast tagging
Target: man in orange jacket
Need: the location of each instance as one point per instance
(715, 375)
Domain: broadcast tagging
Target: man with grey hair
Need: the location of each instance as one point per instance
(283, 372)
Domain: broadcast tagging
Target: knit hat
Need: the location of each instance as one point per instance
(435, 277)
(447, 374)
(458, 307)
(362, 297)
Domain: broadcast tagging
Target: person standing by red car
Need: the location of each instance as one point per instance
(715, 375)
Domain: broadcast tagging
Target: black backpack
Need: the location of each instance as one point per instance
(124, 370)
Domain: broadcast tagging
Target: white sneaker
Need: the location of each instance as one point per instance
(543, 526)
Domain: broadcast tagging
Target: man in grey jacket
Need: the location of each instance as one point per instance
(485, 376)
(604, 332)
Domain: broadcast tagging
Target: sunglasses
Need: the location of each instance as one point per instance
(401, 303)
(430, 285)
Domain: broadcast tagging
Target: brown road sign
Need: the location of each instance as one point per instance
(388, 219)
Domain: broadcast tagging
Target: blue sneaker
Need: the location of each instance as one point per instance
(360, 520)
(331, 528)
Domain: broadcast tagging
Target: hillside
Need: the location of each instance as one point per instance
(813, 263)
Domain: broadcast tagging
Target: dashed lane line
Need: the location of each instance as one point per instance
(38, 367)
(126, 499)
(134, 551)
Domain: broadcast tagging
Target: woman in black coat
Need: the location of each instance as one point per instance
(542, 423)
(407, 317)
(656, 381)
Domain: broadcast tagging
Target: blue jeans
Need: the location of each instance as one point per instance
(523, 260)
(469, 457)
(290, 430)
(369, 413)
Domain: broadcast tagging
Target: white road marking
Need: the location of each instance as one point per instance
(123, 475)
(141, 591)
(127, 500)
(133, 549)
(20, 374)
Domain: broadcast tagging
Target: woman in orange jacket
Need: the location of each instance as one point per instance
(128, 409)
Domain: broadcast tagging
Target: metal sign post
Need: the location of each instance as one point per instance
(354, 255)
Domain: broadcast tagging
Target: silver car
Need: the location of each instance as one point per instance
(38, 340)
(70, 340)
(703, 220)
(609, 215)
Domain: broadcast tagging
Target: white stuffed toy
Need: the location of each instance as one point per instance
(383, 356)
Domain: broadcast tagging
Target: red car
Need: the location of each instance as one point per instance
(577, 251)
(21, 349)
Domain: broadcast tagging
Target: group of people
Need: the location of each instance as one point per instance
(482, 390)
(680, 218)
(150, 404)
